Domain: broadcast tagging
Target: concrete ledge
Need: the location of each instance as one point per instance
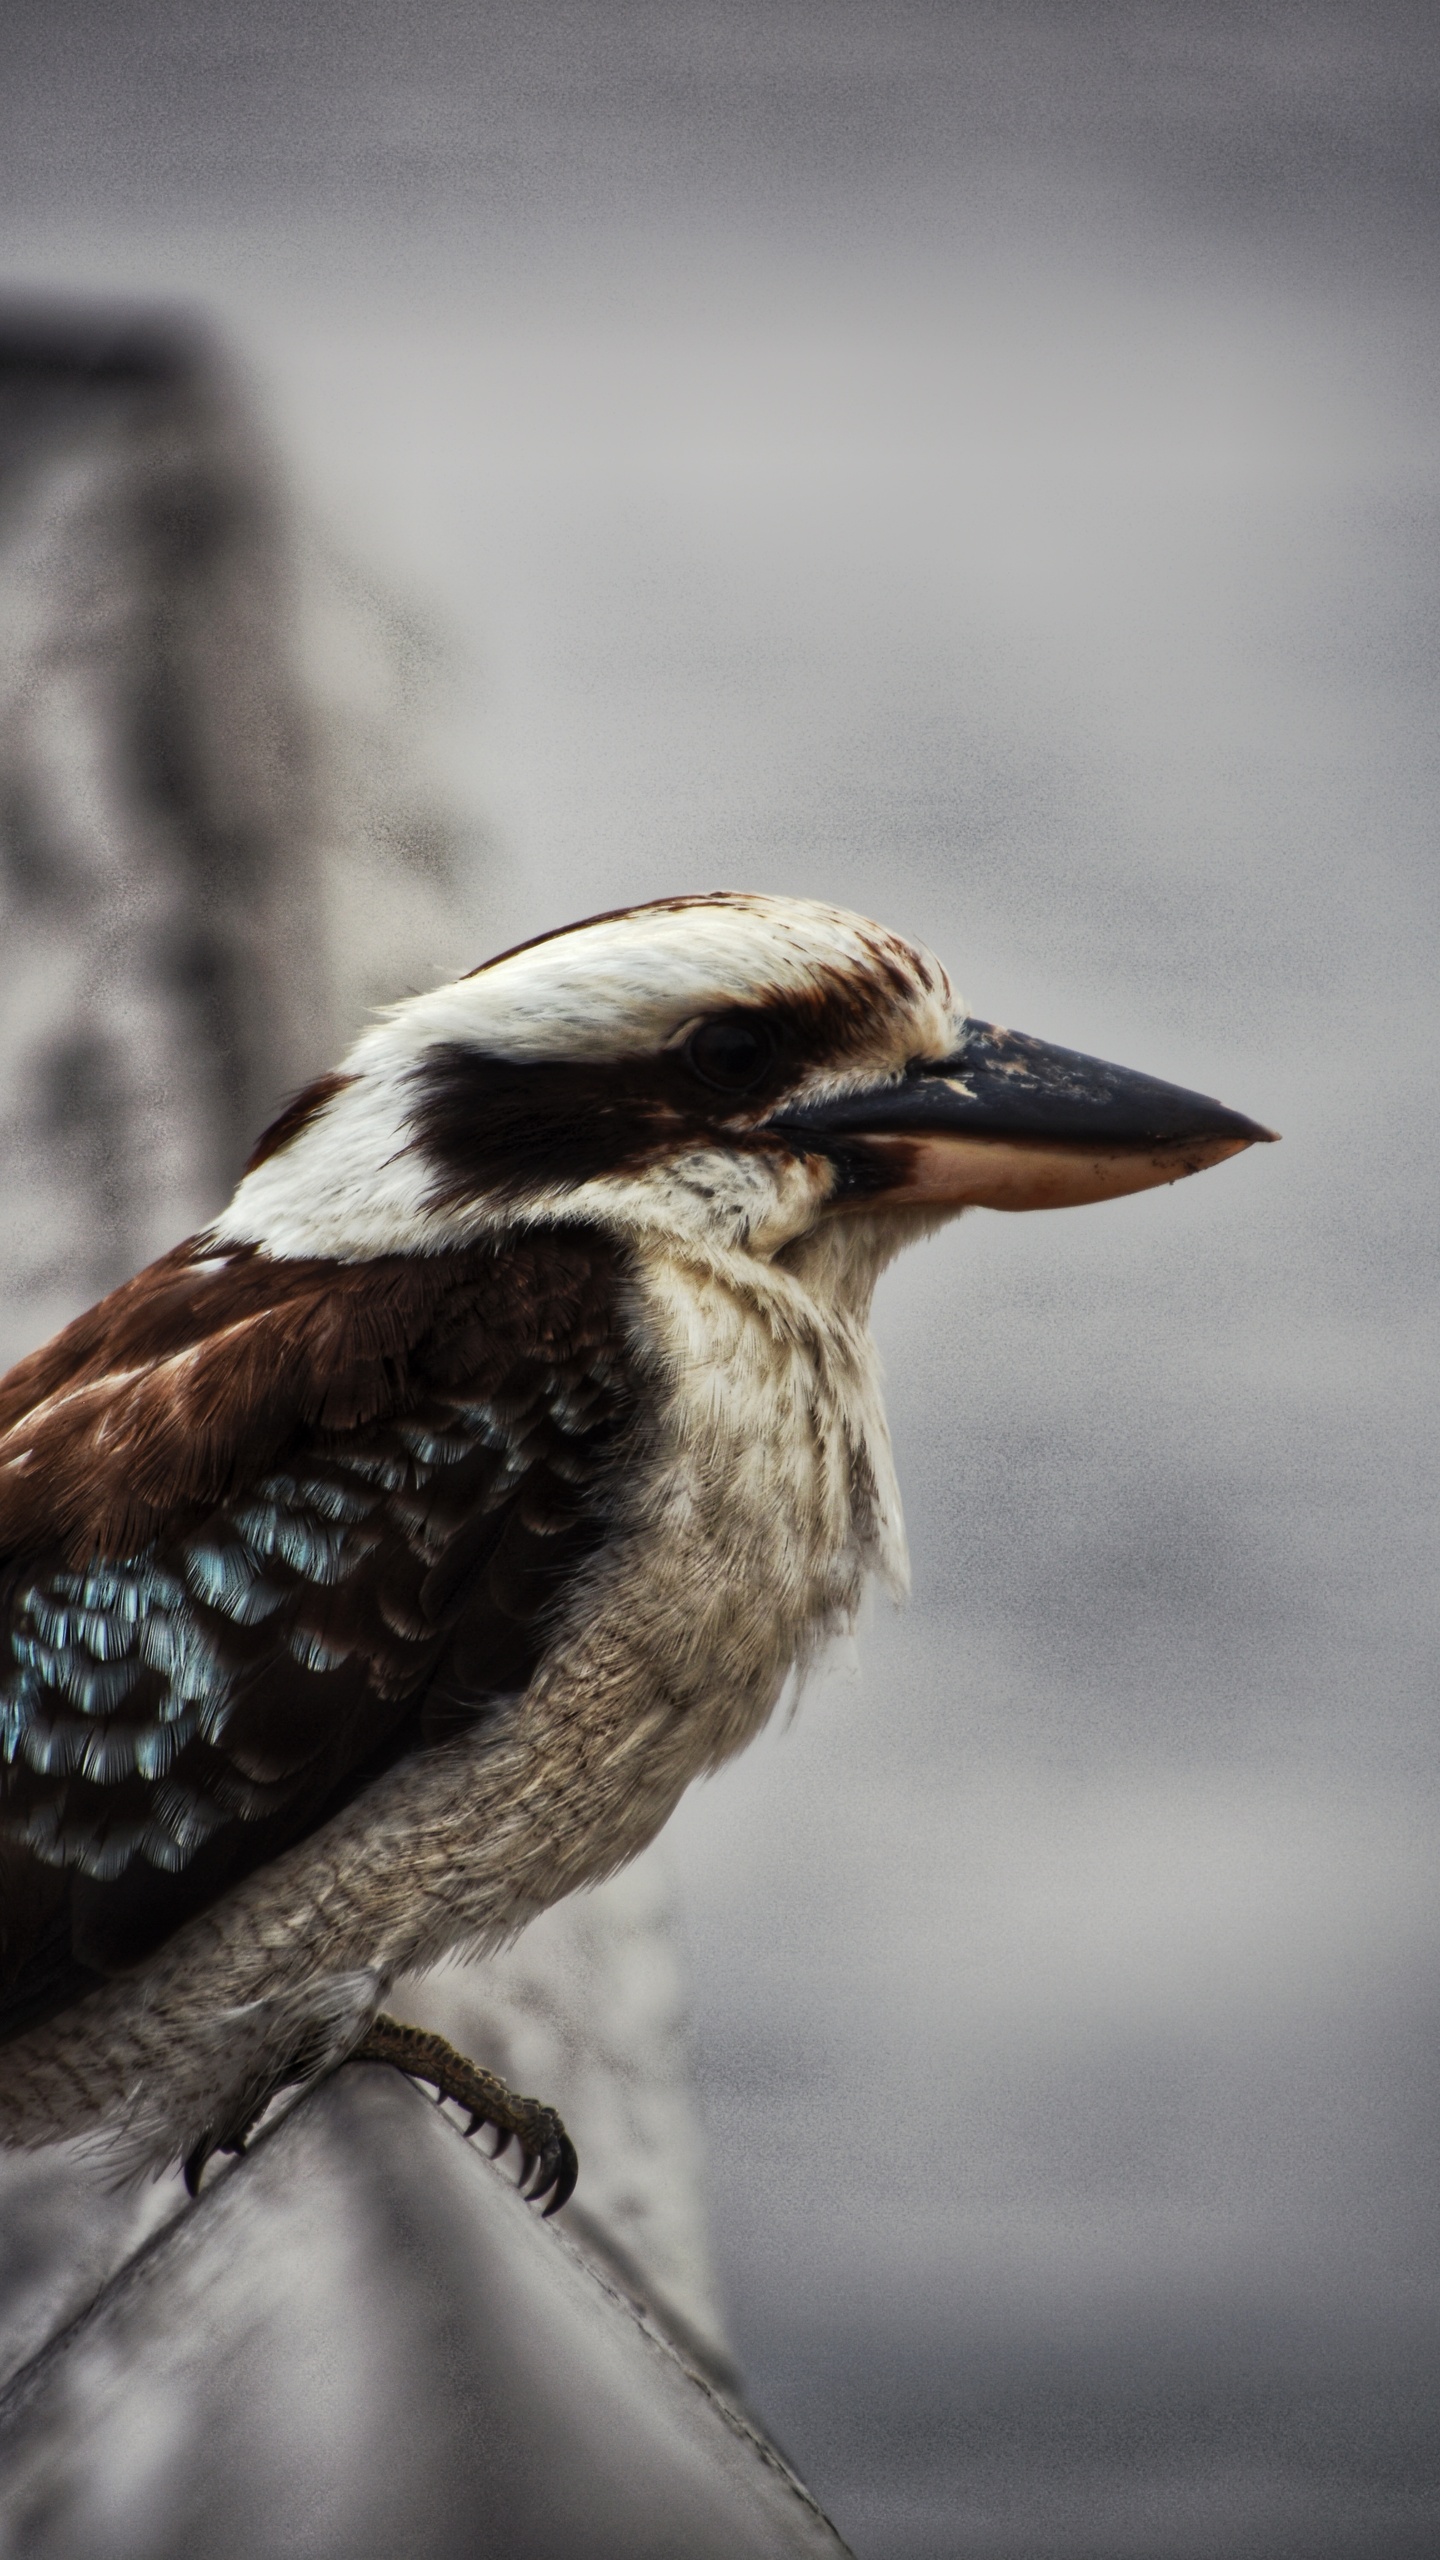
(360, 2344)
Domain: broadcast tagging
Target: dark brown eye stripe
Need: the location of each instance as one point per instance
(495, 1128)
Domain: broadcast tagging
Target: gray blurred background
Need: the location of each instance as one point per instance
(978, 464)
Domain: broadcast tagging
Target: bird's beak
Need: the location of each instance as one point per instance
(1008, 1122)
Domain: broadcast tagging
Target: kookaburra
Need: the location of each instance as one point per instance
(382, 1564)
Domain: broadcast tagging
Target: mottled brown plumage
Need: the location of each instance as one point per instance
(152, 1422)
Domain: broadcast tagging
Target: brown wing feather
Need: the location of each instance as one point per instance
(341, 1502)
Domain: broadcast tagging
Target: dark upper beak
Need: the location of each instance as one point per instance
(1008, 1122)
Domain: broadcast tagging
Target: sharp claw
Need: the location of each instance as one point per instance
(195, 2166)
(548, 2165)
(565, 2181)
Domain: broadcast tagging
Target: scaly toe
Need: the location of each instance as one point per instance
(548, 2165)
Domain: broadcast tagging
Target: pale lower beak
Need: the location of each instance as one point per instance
(1009, 1122)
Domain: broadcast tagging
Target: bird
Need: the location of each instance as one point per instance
(380, 1565)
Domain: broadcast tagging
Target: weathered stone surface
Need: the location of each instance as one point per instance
(361, 2343)
(222, 837)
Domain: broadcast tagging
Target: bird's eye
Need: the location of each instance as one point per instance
(732, 1052)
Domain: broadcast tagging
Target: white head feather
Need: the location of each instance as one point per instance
(352, 1184)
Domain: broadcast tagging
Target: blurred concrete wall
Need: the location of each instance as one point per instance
(159, 900)
(226, 834)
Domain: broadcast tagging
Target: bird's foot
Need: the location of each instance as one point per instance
(301, 2058)
(548, 2165)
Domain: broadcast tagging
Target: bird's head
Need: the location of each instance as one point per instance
(736, 1073)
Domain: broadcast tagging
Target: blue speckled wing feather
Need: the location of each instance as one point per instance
(317, 1597)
